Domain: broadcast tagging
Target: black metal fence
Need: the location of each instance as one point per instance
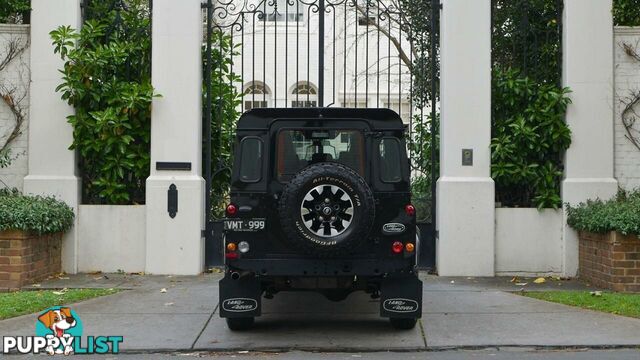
(317, 53)
(527, 35)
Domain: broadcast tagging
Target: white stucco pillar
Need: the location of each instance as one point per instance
(588, 72)
(465, 200)
(175, 245)
(52, 166)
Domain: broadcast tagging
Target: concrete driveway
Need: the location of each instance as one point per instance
(458, 313)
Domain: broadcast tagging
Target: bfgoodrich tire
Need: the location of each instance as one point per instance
(240, 324)
(403, 324)
(325, 209)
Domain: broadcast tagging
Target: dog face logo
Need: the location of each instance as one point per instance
(58, 320)
(60, 325)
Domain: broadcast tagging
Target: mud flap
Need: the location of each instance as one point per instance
(401, 297)
(240, 297)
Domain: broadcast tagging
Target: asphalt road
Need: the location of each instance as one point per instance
(488, 354)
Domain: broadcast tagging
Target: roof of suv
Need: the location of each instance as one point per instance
(379, 119)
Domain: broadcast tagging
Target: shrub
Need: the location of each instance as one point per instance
(14, 11)
(529, 135)
(621, 214)
(225, 101)
(420, 147)
(107, 79)
(34, 214)
(526, 36)
(626, 12)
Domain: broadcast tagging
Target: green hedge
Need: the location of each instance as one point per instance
(34, 214)
(626, 12)
(621, 214)
(13, 11)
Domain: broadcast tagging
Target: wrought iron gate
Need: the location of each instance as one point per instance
(320, 53)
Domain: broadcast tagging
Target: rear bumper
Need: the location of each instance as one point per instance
(325, 267)
(241, 295)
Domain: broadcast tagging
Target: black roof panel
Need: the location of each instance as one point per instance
(262, 117)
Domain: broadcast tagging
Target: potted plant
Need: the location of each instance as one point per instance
(609, 242)
(31, 229)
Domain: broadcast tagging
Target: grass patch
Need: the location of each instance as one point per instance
(615, 303)
(18, 303)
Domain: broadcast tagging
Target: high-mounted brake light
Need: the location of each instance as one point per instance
(231, 209)
(410, 210)
(397, 247)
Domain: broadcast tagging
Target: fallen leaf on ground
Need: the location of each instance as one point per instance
(540, 280)
(163, 290)
(514, 279)
(61, 292)
(521, 284)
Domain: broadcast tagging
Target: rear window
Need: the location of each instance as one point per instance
(390, 160)
(300, 148)
(251, 159)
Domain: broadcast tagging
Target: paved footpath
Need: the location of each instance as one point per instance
(459, 314)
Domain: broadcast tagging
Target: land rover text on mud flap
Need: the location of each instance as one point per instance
(320, 201)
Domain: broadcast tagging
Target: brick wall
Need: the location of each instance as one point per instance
(16, 76)
(627, 79)
(26, 259)
(610, 261)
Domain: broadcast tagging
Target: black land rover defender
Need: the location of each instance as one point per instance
(320, 201)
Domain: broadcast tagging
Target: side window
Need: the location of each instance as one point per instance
(390, 160)
(250, 159)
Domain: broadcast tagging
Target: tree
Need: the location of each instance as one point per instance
(107, 79)
(225, 101)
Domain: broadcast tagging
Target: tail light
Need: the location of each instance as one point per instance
(231, 209)
(397, 247)
(231, 251)
(410, 210)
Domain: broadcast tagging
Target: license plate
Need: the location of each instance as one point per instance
(244, 225)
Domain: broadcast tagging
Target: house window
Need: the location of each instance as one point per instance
(366, 21)
(283, 12)
(403, 109)
(304, 95)
(256, 95)
(362, 104)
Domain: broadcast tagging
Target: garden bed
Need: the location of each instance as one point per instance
(609, 241)
(610, 261)
(31, 229)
